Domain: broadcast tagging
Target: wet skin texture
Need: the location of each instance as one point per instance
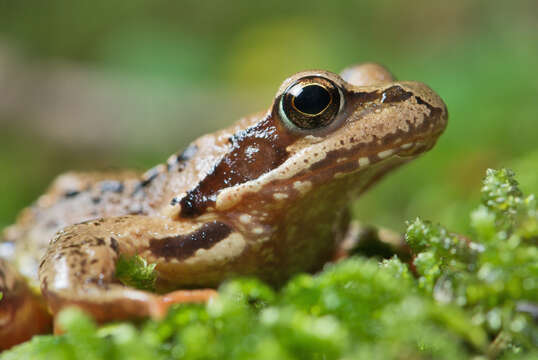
(266, 197)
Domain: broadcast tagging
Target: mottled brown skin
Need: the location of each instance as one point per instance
(261, 198)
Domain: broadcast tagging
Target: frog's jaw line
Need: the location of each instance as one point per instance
(364, 161)
(385, 153)
(361, 157)
(302, 182)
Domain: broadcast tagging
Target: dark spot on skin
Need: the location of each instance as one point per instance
(188, 153)
(71, 246)
(76, 252)
(365, 97)
(96, 200)
(100, 242)
(71, 193)
(94, 261)
(114, 244)
(395, 94)
(182, 158)
(421, 102)
(83, 262)
(254, 151)
(435, 112)
(175, 201)
(112, 186)
(183, 246)
(149, 176)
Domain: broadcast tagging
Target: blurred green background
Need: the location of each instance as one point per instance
(108, 84)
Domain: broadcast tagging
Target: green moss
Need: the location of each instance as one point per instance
(496, 273)
(465, 297)
(136, 272)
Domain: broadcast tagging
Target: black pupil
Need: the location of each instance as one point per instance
(312, 99)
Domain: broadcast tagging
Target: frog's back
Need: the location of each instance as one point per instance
(72, 198)
(76, 197)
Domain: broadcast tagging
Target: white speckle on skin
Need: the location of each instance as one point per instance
(200, 252)
(339, 175)
(363, 161)
(257, 230)
(245, 218)
(385, 154)
(302, 186)
(313, 139)
(280, 196)
(406, 146)
(261, 240)
(61, 281)
(251, 150)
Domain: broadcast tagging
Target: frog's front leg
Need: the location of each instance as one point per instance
(79, 267)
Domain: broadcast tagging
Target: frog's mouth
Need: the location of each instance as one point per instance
(414, 149)
(339, 164)
(406, 150)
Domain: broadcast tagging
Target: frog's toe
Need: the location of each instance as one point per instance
(159, 307)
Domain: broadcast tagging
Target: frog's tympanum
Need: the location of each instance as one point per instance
(265, 197)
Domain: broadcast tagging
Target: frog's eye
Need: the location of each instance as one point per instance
(310, 103)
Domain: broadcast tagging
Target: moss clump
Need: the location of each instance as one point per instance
(136, 272)
(463, 298)
(493, 277)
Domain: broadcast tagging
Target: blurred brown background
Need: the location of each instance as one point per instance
(106, 84)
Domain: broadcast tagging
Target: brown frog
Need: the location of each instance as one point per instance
(266, 197)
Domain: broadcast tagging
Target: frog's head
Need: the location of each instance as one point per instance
(362, 116)
(321, 128)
